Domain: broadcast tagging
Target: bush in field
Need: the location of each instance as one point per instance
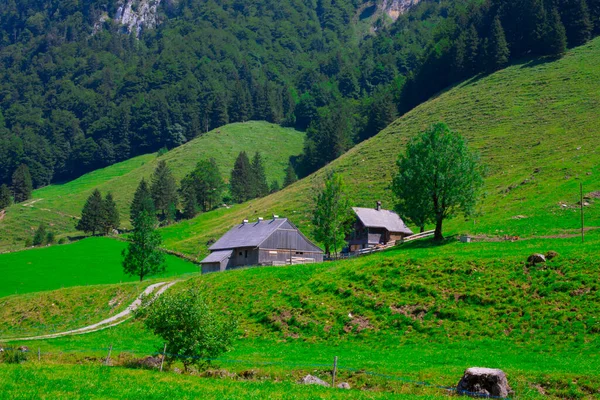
(193, 332)
(13, 356)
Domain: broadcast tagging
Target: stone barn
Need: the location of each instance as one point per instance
(374, 227)
(264, 242)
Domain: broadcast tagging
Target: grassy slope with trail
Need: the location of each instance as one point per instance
(535, 125)
(58, 205)
(420, 312)
(92, 261)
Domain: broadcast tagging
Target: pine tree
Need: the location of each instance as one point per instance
(260, 186)
(555, 39)
(594, 9)
(163, 189)
(497, 48)
(40, 235)
(111, 214)
(22, 186)
(219, 115)
(5, 197)
(92, 215)
(535, 26)
(207, 185)
(241, 179)
(459, 57)
(143, 256)
(275, 187)
(142, 201)
(472, 44)
(576, 19)
(189, 200)
(290, 175)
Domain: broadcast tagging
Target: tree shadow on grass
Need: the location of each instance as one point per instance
(429, 243)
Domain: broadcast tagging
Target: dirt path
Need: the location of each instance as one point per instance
(109, 322)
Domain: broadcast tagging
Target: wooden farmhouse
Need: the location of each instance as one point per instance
(374, 227)
(264, 242)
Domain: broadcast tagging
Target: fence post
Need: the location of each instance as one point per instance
(163, 357)
(334, 371)
(108, 357)
(39, 355)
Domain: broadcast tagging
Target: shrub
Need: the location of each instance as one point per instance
(62, 240)
(551, 254)
(13, 356)
(162, 151)
(192, 331)
(50, 238)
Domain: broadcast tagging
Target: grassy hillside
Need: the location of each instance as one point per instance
(60, 205)
(535, 124)
(91, 261)
(416, 313)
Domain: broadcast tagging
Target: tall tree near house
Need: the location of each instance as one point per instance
(163, 189)
(290, 175)
(143, 257)
(241, 179)
(260, 186)
(93, 214)
(497, 47)
(111, 214)
(332, 214)
(22, 186)
(5, 197)
(441, 174)
(142, 201)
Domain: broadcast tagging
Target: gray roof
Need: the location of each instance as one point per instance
(373, 218)
(250, 234)
(217, 256)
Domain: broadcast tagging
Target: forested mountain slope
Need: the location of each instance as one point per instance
(60, 205)
(534, 123)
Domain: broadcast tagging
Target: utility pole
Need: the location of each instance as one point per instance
(582, 217)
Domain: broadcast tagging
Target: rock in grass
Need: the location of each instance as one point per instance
(313, 380)
(551, 254)
(343, 385)
(484, 382)
(150, 362)
(536, 259)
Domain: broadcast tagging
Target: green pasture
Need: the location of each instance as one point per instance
(92, 261)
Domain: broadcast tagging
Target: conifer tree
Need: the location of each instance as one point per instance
(22, 186)
(189, 200)
(207, 185)
(472, 44)
(142, 201)
(274, 187)
(459, 57)
(40, 235)
(163, 189)
(535, 26)
(555, 38)
(5, 197)
(576, 19)
(219, 116)
(259, 185)
(497, 48)
(143, 256)
(290, 175)
(111, 214)
(92, 215)
(594, 9)
(241, 178)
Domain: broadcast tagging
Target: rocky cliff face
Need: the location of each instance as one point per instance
(136, 15)
(395, 8)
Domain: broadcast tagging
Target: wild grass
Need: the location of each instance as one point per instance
(535, 125)
(91, 261)
(59, 205)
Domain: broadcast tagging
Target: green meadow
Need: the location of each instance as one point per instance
(92, 261)
(59, 205)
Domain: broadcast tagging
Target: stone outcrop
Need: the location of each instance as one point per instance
(484, 382)
(313, 380)
(536, 259)
(395, 8)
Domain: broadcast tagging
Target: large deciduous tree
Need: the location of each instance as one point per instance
(332, 214)
(143, 257)
(22, 186)
(438, 176)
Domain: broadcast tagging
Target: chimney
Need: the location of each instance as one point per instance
(275, 216)
(244, 222)
(260, 219)
(378, 208)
